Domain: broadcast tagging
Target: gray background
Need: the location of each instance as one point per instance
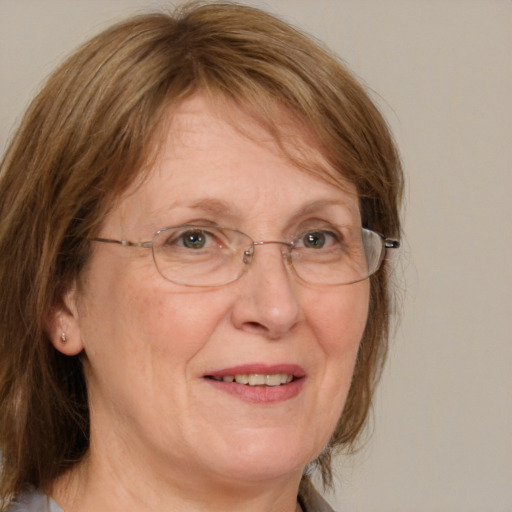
(441, 71)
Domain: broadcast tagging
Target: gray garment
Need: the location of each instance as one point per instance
(34, 501)
(316, 504)
(310, 499)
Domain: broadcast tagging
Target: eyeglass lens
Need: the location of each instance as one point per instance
(211, 255)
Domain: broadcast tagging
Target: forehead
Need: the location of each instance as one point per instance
(201, 123)
(218, 155)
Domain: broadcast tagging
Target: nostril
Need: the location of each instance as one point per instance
(255, 327)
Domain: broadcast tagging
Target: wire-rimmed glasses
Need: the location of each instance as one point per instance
(209, 255)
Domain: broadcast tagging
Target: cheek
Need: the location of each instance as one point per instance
(150, 328)
(339, 317)
(140, 341)
(178, 322)
(131, 318)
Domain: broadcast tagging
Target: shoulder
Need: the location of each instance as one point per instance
(34, 501)
(310, 500)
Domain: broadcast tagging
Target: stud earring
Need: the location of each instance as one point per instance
(63, 337)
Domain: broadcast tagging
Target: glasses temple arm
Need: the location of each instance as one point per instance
(122, 242)
(390, 243)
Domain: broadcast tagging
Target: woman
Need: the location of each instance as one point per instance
(191, 213)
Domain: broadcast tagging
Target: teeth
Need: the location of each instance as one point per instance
(273, 380)
(257, 379)
(242, 379)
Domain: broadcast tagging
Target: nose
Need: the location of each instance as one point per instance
(268, 302)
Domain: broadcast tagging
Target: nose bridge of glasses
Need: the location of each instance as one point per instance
(279, 242)
(249, 252)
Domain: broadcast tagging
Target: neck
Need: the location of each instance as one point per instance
(92, 486)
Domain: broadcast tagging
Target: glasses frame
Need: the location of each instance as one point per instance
(387, 244)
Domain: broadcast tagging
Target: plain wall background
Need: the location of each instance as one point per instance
(441, 70)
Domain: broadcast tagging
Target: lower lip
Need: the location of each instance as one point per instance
(260, 394)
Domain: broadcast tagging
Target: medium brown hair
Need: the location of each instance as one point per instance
(89, 134)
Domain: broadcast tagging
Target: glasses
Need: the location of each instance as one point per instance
(208, 255)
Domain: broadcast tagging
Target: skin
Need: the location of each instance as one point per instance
(162, 436)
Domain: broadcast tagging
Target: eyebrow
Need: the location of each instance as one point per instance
(213, 206)
(219, 207)
(322, 203)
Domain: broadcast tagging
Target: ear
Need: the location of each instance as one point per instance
(63, 324)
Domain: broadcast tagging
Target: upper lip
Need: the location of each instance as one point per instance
(261, 369)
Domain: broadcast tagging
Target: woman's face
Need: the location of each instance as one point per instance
(151, 346)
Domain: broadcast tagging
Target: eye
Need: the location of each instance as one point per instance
(318, 239)
(314, 240)
(190, 238)
(198, 238)
(194, 239)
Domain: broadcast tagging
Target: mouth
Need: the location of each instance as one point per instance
(259, 383)
(256, 379)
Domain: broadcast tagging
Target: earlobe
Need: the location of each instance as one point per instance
(63, 325)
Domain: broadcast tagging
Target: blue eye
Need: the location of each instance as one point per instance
(195, 239)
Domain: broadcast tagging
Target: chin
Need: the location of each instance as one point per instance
(264, 457)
